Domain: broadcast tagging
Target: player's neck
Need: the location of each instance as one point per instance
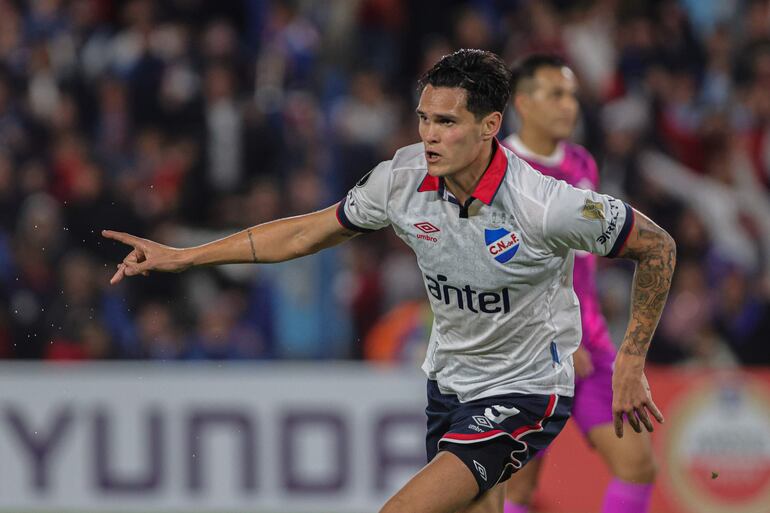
(462, 183)
(537, 143)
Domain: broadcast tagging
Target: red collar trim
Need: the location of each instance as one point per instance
(429, 183)
(490, 181)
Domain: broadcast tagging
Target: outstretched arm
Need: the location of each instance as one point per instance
(276, 241)
(654, 251)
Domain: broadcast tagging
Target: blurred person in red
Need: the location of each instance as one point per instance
(545, 99)
(158, 335)
(74, 326)
(495, 242)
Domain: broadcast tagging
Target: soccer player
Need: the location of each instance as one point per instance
(494, 240)
(544, 90)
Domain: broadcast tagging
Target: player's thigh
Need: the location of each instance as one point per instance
(629, 458)
(445, 485)
(520, 487)
(490, 501)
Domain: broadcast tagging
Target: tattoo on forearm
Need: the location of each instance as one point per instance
(656, 258)
(253, 251)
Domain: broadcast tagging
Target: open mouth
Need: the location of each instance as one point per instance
(432, 156)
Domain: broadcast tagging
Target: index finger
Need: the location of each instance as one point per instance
(119, 274)
(618, 417)
(655, 411)
(125, 238)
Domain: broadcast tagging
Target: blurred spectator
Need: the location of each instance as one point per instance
(72, 321)
(9, 193)
(362, 122)
(686, 327)
(588, 41)
(113, 125)
(221, 332)
(400, 334)
(309, 320)
(224, 131)
(717, 202)
(362, 287)
(744, 317)
(380, 23)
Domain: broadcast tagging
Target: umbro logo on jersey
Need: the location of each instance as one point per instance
(501, 244)
(426, 227)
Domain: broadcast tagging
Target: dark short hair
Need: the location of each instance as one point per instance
(525, 69)
(484, 76)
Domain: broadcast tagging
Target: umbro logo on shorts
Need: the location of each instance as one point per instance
(480, 468)
(482, 421)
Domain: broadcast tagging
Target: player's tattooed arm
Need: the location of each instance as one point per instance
(253, 251)
(654, 251)
(655, 254)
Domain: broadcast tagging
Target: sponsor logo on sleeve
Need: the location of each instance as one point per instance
(612, 225)
(502, 244)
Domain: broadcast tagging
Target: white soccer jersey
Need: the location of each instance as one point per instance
(498, 269)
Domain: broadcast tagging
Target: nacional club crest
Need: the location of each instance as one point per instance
(501, 244)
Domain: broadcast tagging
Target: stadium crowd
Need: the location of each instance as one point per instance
(181, 120)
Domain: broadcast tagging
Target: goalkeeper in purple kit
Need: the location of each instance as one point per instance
(544, 96)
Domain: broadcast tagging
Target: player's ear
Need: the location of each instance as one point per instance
(520, 102)
(491, 125)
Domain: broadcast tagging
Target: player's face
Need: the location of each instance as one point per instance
(453, 137)
(552, 105)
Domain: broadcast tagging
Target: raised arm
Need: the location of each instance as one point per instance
(654, 251)
(276, 241)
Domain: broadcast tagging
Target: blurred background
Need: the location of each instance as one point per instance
(187, 120)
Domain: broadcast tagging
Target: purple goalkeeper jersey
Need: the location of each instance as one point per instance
(575, 165)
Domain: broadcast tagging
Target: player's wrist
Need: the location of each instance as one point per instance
(188, 257)
(629, 362)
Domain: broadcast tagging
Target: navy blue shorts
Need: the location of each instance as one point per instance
(494, 436)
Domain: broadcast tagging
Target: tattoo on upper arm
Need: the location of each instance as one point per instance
(655, 253)
(253, 251)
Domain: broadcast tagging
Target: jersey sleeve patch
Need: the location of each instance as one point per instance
(628, 225)
(343, 219)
